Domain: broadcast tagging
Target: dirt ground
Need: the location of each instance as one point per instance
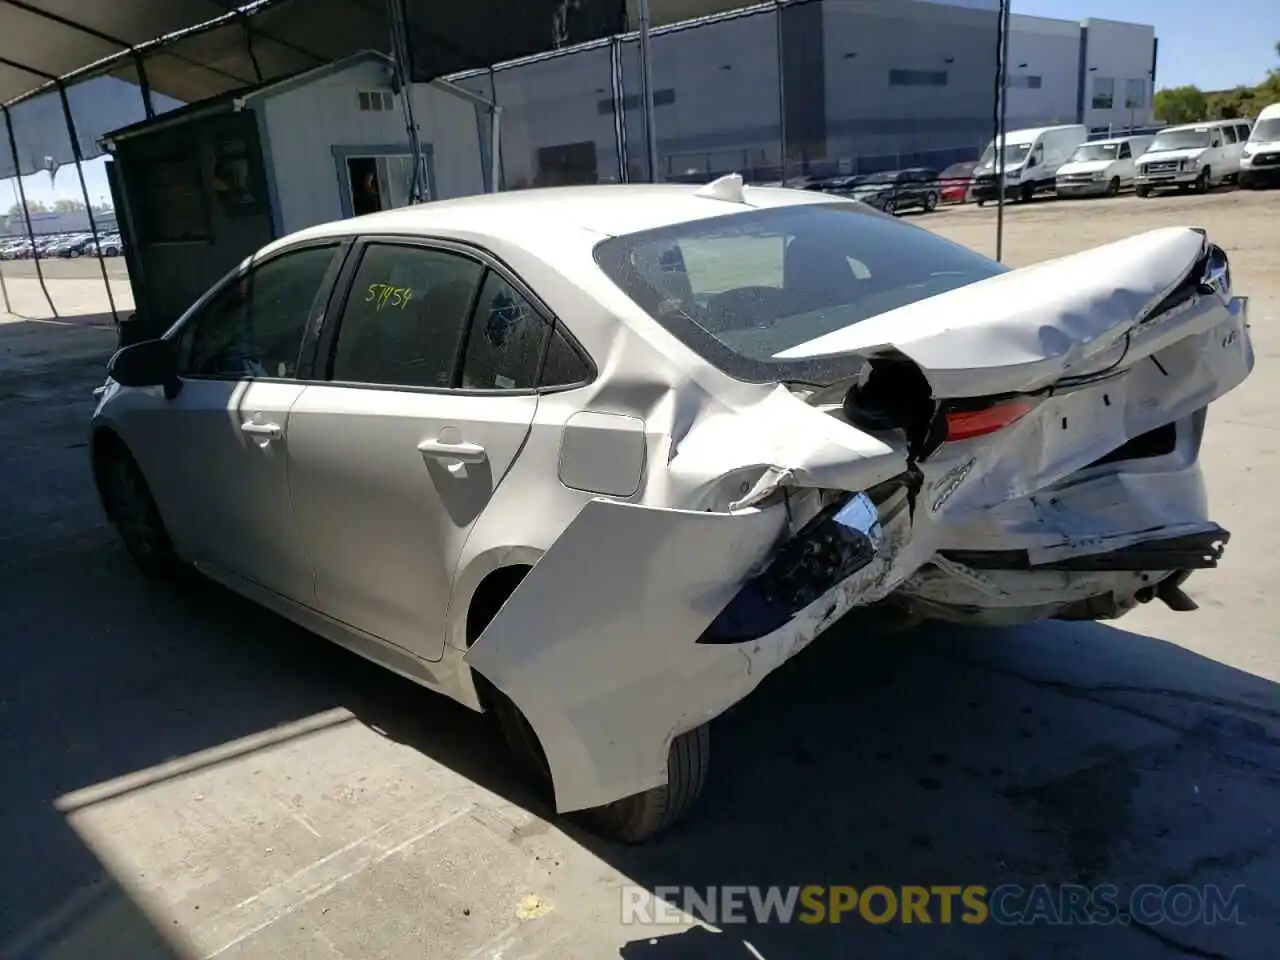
(184, 776)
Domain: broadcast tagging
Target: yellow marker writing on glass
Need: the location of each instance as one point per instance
(383, 294)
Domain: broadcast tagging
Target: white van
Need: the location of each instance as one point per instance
(1198, 155)
(1031, 157)
(1260, 160)
(1102, 167)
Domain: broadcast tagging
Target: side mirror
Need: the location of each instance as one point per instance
(150, 363)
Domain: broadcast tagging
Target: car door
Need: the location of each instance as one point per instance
(214, 453)
(1231, 149)
(430, 388)
(1125, 167)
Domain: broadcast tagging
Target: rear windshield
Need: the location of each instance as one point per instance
(741, 288)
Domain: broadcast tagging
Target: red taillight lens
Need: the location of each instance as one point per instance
(967, 424)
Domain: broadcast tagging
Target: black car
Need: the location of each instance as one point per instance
(890, 190)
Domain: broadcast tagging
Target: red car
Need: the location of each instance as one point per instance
(955, 180)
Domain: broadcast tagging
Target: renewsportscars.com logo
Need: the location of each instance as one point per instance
(1008, 904)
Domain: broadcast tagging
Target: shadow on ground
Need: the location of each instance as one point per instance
(1081, 754)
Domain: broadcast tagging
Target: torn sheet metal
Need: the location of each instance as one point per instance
(597, 644)
(778, 441)
(1030, 327)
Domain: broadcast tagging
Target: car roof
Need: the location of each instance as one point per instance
(524, 216)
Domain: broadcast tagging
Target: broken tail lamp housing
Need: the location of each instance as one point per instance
(837, 543)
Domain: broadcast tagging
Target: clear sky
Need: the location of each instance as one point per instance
(1213, 44)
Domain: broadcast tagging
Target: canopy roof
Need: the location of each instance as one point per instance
(190, 50)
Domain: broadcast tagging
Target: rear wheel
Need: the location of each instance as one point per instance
(633, 819)
(930, 202)
(131, 508)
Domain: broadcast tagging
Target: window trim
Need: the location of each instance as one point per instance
(324, 299)
(330, 327)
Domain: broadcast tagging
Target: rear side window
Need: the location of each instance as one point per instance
(741, 288)
(405, 316)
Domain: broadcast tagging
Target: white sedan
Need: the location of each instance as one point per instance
(598, 459)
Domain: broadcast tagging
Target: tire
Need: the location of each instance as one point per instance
(981, 203)
(1204, 181)
(1142, 191)
(127, 499)
(1113, 187)
(631, 820)
(890, 207)
(644, 816)
(930, 202)
(1027, 192)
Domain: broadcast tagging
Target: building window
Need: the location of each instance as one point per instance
(1135, 94)
(1104, 93)
(376, 100)
(631, 101)
(917, 78)
(1027, 81)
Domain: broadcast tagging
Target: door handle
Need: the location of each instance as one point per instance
(461, 451)
(268, 431)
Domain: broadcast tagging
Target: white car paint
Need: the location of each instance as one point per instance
(1260, 158)
(647, 500)
(1032, 160)
(1101, 167)
(1205, 153)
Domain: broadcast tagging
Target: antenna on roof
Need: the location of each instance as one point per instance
(728, 188)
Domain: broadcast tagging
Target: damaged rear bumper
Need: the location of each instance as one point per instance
(1199, 550)
(599, 646)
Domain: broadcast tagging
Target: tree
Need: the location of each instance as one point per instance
(1233, 104)
(35, 206)
(1181, 105)
(68, 205)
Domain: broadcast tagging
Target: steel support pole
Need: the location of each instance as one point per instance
(646, 90)
(88, 202)
(1003, 70)
(26, 212)
(778, 11)
(144, 85)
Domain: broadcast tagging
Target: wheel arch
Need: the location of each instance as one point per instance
(104, 443)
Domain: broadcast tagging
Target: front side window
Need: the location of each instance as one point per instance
(405, 316)
(741, 288)
(1230, 134)
(254, 326)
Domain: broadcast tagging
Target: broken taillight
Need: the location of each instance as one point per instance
(968, 424)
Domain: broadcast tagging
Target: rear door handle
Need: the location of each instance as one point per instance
(268, 431)
(461, 451)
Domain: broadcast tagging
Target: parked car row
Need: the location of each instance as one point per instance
(1199, 156)
(893, 191)
(69, 245)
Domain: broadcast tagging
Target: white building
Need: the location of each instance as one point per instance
(838, 85)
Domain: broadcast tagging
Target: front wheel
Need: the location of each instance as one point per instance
(634, 819)
(1204, 181)
(127, 499)
(1142, 191)
(1027, 192)
(930, 202)
(1113, 187)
